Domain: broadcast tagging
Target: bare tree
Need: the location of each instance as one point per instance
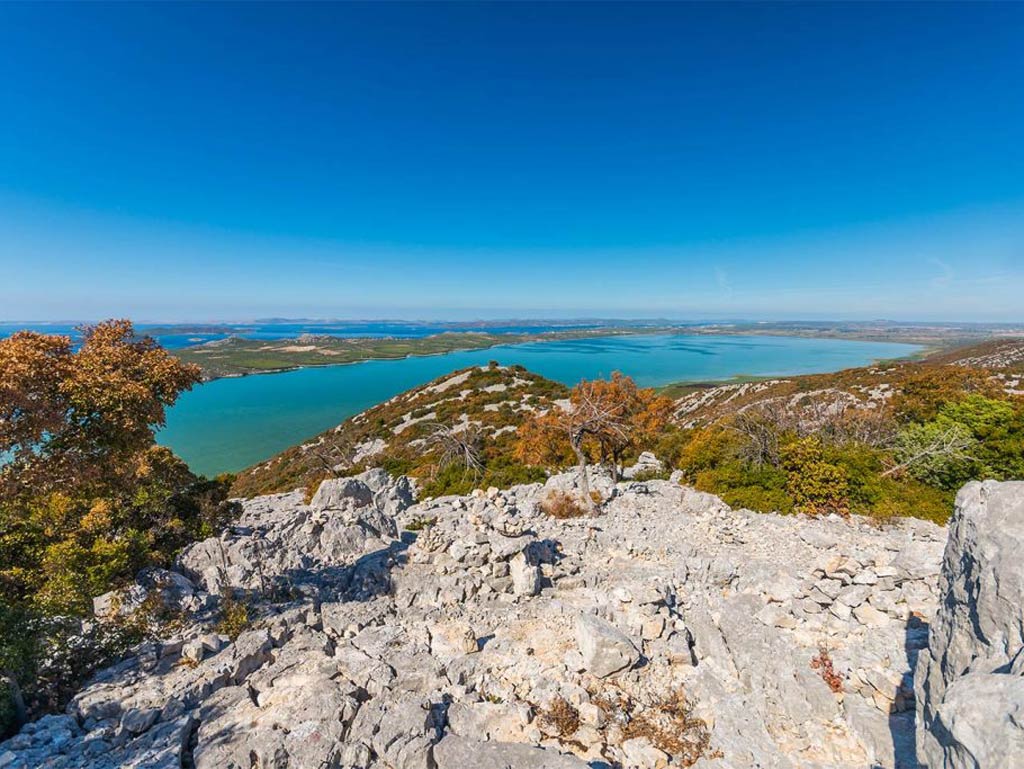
(835, 417)
(932, 443)
(459, 444)
(593, 414)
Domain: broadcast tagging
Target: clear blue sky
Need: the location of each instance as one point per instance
(176, 162)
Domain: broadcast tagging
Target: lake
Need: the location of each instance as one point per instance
(229, 424)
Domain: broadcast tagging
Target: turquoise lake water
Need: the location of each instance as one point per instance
(229, 424)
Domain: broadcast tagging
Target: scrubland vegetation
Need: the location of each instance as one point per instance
(825, 450)
(454, 434)
(883, 441)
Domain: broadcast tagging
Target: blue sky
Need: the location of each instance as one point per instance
(179, 162)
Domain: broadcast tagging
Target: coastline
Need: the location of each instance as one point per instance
(929, 348)
(557, 336)
(684, 387)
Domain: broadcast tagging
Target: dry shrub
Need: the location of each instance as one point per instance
(823, 664)
(421, 523)
(559, 504)
(562, 717)
(668, 723)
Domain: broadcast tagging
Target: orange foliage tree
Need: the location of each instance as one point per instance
(606, 418)
(70, 418)
(86, 497)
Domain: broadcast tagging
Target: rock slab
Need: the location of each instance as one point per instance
(969, 684)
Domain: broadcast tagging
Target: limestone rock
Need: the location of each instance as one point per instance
(645, 463)
(970, 693)
(526, 576)
(605, 648)
(454, 752)
(492, 635)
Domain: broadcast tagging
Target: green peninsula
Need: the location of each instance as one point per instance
(236, 356)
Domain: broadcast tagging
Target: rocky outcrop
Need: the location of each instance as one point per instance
(467, 631)
(280, 545)
(970, 680)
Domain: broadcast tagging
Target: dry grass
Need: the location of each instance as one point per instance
(559, 504)
(562, 717)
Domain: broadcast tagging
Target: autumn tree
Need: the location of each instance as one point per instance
(86, 497)
(605, 418)
(72, 418)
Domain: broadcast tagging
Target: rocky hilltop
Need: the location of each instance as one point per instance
(489, 401)
(480, 631)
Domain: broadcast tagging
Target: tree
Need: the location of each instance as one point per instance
(86, 497)
(71, 418)
(932, 452)
(459, 445)
(973, 437)
(645, 412)
(603, 417)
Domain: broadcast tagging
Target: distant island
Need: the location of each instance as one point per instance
(238, 355)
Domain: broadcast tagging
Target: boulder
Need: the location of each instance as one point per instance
(338, 493)
(526, 576)
(970, 694)
(606, 649)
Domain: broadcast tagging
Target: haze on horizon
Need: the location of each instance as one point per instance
(759, 161)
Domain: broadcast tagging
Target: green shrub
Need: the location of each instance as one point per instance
(234, 616)
(704, 450)
(817, 486)
(741, 484)
(910, 499)
(653, 474)
(501, 472)
(936, 452)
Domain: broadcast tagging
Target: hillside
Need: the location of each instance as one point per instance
(403, 434)
(997, 362)
(407, 434)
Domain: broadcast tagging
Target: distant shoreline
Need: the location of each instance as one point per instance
(236, 352)
(235, 358)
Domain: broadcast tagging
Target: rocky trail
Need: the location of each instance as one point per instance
(480, 632)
